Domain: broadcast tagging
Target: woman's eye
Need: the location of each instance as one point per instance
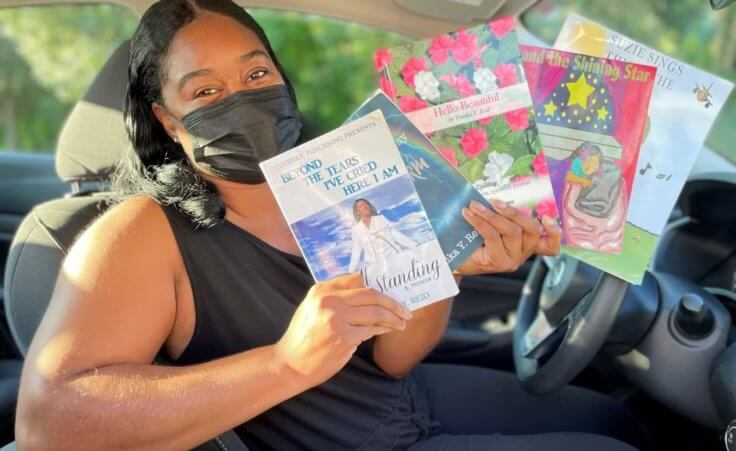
(255, 75)
(205, 92)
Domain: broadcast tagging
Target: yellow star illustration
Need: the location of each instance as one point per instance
(579, 92)
(549, 108)
(602, 113)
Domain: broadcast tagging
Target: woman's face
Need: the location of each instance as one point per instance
(364, 210)
(209, 59)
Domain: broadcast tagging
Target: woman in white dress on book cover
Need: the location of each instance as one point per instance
(374, 236)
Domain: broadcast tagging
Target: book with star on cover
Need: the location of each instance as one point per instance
(591, 115)
(466, 91)
(685, 103)
(352, 207)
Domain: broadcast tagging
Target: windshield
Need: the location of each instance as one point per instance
(685, 29)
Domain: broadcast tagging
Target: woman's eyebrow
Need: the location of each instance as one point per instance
(197, 73)
(252, 54)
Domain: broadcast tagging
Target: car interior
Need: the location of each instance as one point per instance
(664, 348)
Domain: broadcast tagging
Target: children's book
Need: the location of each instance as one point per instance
(591, 115)
(441, 188)
(351, 205)
(685, 102)
(466, 91)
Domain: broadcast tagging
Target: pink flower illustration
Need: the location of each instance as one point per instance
(459, 83)
(506, 74)
(411, 68)
(474, 141)
(449, 155)
(409, 103)
(440, 48)
(485, 120)
(501, 27)
(518, 120)
(387, 87)
(520, 180)
(547, 207)
(381, 59)
(465, 48)
(539, 164)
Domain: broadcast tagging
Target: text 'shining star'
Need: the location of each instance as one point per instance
(602, 113)
(579, 92)
(549, 108)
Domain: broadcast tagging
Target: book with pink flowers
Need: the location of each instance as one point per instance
(467, 92)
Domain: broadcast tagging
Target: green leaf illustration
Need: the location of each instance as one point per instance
(420, 48)
(490, 57)
(472, 169)
(509, 48)
(521, 166)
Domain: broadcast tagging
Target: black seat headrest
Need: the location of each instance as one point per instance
(93, 137)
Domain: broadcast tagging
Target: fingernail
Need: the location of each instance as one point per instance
(549, 221)
(467, 212)
(478, 206)
(499, 204)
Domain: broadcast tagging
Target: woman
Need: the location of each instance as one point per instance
(374, 236)
(198, 263)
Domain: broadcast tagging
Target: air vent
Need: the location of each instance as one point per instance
(460, 11)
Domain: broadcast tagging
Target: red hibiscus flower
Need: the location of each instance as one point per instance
(547, 207)
(409, 103)
(501, 27)
(459, 83)
(465, 48)
(449, 155)
(387, 87)
(506, 74)
(411, 68)
(518, 120)
(474, 141)
(381, 59)
(539, 164)
(485, 120)
(440, 48)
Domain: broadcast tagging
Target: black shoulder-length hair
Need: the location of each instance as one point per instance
(374, 212)
(155, 165)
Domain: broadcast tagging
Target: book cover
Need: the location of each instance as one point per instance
(352, 207)
(684, 104)
(466, 91)
(591, 114)
(441, 188)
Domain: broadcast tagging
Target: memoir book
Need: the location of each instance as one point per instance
(591, 115)
(351, 205)
(441, 188)
(685, 103)
(466, 91)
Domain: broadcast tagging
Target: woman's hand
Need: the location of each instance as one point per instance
(509, 238)
(330, 323)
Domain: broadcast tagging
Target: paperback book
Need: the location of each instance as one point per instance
(351, 205)
(591, 115)
(441, 188)
(685, 102)
(466, 91)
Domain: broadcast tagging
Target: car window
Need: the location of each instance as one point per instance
(330, 62)
(48, 57)
(686, 29)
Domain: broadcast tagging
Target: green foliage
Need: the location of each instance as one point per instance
(685, 29)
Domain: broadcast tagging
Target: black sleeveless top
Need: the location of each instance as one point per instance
(245, 293)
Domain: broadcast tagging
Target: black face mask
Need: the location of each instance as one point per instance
(232, 136)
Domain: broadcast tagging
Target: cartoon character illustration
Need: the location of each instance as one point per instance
(593, 201)
(374, 236)
(702, 94)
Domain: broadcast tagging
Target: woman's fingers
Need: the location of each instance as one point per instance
(494, 250)
(511, 233)
(550, 244)
(359, 297)
(360, 334)
(530, 228)
(373, 315)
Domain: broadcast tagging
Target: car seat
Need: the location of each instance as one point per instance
(91, 141)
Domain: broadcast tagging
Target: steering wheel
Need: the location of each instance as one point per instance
(565, 313)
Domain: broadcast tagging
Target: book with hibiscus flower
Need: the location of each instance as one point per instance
(442, 190)
(466, 91)
(591, 114)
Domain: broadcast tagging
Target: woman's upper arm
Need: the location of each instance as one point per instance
(114, 300)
